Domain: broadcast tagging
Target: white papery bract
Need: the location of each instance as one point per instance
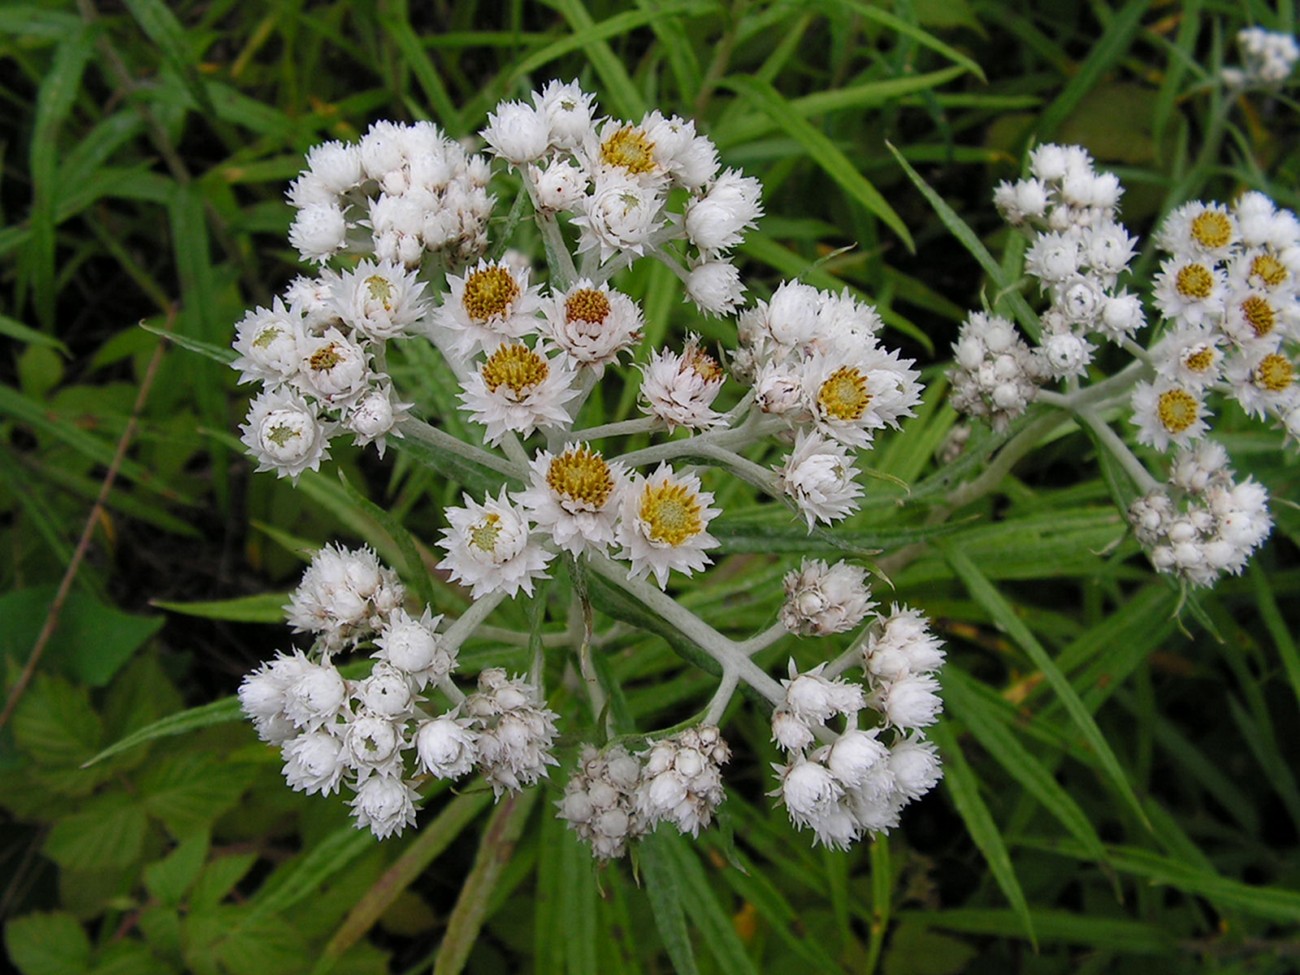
(518, 389)
(345, 595)
(663, 524)
(819, 477)
(268, 340)
(381, 301)
(680, 389)
(313, 763)
(332, 368)
(592, 325)
(285, 434)
(822, 599)
(515, 732)
(385, 805)
(490, 547)
(412, 646)
(489, 304)
(447, 746)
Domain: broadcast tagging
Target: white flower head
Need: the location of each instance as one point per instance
(318, 232)
(819, 476)
(316, 697)
(854, 755)
(515, 732)
(715, 287)
(560, 186)
(490, 548)
(337, 165)
(263, 694)
(1206, 230)
(1189, 356)
(517, 132)
(385, 805)
(518, 389)
(901, 644)
(716, 222)
(822, 599)
(620, 215)
(909, 702)
(332, 367)
(446, 746)
(267, 341)
(599, 801)
(381, 301)
(313, 763)
(344, 595)
(915, 763)
(680, 389)
(1189, 289)
(815, 699)
(375, 416)
(592, 325)
(412, 646)
(808, 790)
(284, 434)
(568, 113)
(663, 524)
(851, 397)
(681, 781)
(575, 497)
(1264, 383)
(1166, 413)
(489, 304)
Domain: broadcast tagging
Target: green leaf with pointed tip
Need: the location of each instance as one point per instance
(47, 944)
(223, 711)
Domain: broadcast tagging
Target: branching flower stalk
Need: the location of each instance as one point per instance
(398, 225)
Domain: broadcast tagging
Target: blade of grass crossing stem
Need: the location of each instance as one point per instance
(1113, 45)
(664, 890)
(417, 572)
(821, 149)
(983, 592)
(713, 921)
(494, 852)
(224, 711)
(1276, 626)
(623, 94)
(54, 103)
(302, 877)
(998, 740)
(968, 239)
(429, 843)
(896, 23)
(959, 780)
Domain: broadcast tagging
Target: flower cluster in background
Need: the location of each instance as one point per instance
(400, 227)
(1227, 304)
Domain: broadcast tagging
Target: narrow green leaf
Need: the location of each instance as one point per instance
(265, 607)
(1276, 625)
(664, 890)
(398, 29)
(998, 740)
(821, 149)
(169, 36)
(217, 353)
(15, 329)
(961, 784)
(223, 711)
(591, 38)
(1068, 927)
(925, 39)
(417, 572)
(713, 921)
(987, 596)
(304, 876)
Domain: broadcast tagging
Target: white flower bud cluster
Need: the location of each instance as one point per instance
(514, 731)
(1268, 59)
(822, 599)
(600, 800)
(1203, 523)
(859, 780)
(681, 779)
(995, 375)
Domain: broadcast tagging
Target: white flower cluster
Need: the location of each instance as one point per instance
(857, 781)
(1203, 523)
(996, 375)
(1268, 59)
(334, 731)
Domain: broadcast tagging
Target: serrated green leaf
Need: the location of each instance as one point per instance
(243, 944)
(961, 784)
(47, 944)
(821, 150)
(219, 879)
(267, 607)
(108, 832)
(55, 724)
(169, 879)
(223, 711)
(188, 791)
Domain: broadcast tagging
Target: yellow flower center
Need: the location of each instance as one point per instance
(704, 365)
(1194, 281)
(629, 149)
(1269, 270)
(582, 475)
(1211, 229)
(844, 394)
(587, 305)
(516, 366)
(1274, 373)
(489, 293)
(1176, 409)
(1259, 314)
(1200, 358)
(671, 512)
(325, 358)
(380, 289)
(483, 536)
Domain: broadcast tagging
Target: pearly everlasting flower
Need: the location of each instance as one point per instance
(374, 417)
(517, 132)
(313, 763)
(902, 644)
(574, 497)
(1189, 356)
(854, 755)
(385, 805)
(319, 232)
(345, 594)
(663, 525)
(681, 779)
(909, 702)
(819, 477)
(815, 699)
(1207, 230)
(822, 599)
(446, 746)
(490, 548)
(316, 697)
(412, 646)
(487, 305)
(263, 695)
(517, 389)
(337, 165)
(267, 340)
(715, 287)
(599, 801)
(852, 396)
(680, 389)
(560, 186)
(592, 325)
(1189, 289)
(1166, 413)
(373, 744)
(284, 434)
(809, 791)
(515, 732)
(914, 762)
(381, 301)
(568, 112)
(715, 222)
(387, 693)
(1264, 383)
(620, 215)
(332, 367)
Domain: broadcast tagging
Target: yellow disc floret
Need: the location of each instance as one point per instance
(704, 365)
(629, 149)
(489, 292)
(1211, 229)
(1199, 358)
(1268, 270)
(1194, 281)
(483, 536)
(1259, 315)
(1176, 409)
(671, 513)
(325, 358)
(586, 305)
(380, 289)
(844, 395)
(1274, 373)
(515, 366)
(580, 474)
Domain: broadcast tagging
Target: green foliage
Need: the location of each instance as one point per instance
(1121, 795)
